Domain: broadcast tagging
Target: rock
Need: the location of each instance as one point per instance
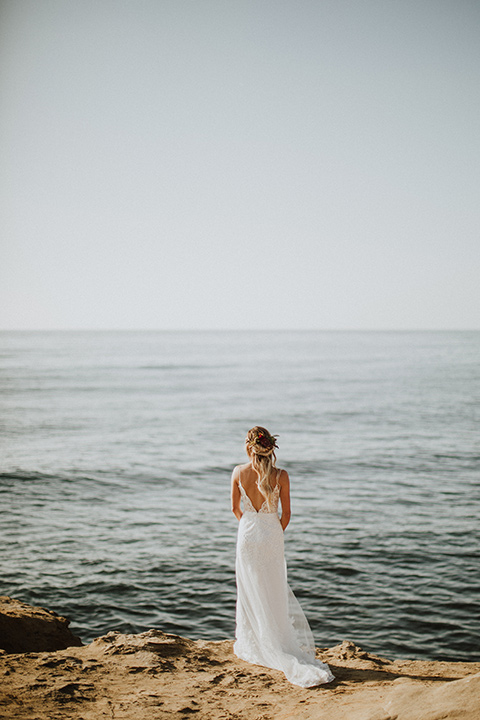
(347, 650)
(24, 628)
(455, 700)
(157, 676)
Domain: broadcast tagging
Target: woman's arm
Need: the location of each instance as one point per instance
(236, 496)
(284, 481)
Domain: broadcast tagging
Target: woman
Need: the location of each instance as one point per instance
(271, 627)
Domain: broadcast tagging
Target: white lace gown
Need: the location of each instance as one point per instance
(271, 628)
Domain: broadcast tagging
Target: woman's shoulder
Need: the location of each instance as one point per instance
(282, 476)
(238, 469)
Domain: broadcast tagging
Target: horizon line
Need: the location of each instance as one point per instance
(241, 329)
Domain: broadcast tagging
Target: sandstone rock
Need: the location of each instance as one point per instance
(456, 700)
(24, 628)
(159, 676)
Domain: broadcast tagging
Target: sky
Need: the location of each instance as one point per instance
(240, 164)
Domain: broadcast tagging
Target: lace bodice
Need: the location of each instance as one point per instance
(248, 505)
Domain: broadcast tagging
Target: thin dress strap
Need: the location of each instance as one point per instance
(250, 507)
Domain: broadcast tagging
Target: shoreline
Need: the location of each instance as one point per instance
(157, 675)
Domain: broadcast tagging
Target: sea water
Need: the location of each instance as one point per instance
(116, 455)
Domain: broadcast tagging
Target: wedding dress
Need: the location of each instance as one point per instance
(271, 628)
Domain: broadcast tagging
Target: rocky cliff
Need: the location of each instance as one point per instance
(155, 676)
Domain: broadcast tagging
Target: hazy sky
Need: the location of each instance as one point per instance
(240, 164)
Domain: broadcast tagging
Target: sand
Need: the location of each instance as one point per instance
(155, 676)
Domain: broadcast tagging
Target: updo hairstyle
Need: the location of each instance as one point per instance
(260, 447)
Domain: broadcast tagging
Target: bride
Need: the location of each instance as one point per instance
(271, 629)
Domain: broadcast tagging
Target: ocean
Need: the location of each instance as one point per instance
(116, 454)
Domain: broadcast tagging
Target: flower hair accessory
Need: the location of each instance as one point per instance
(262, 443)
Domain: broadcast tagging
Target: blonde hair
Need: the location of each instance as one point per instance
(261, 447)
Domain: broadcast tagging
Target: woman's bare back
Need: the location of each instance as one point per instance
(248, 477)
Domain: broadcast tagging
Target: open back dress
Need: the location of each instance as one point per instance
(271, 628)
